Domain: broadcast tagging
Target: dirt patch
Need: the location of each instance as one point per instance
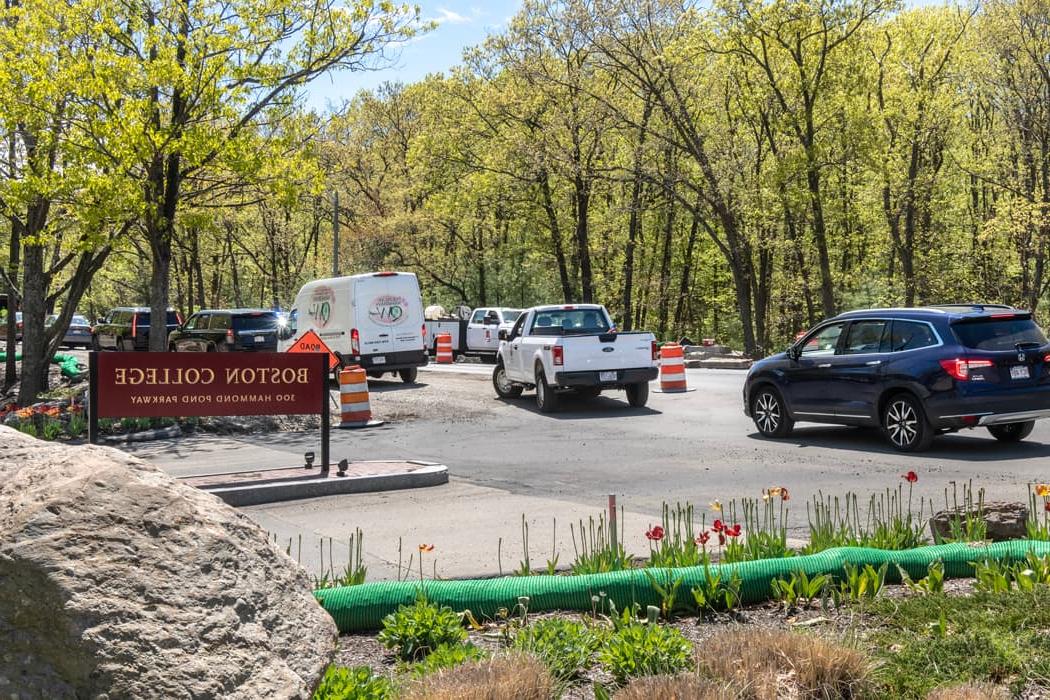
(446, 397)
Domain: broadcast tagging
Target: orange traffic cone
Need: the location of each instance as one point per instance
(672, 368)
(444, 348)
(356, 411)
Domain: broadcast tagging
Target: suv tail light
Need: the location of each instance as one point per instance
(229, 336)
(959, 368)
(558, 355)
(656, 351)
(355, 342)
(134, 325)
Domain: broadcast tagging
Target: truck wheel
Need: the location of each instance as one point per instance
(1012, 432)
(638, 394)
(408, 376)
(505, 388)
(546, 398)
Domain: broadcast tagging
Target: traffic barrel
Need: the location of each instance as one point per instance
(356, 411)
(672, 368)
(444, 348)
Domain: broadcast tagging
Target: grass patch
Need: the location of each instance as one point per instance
(686, 686)
(929, 642)
(516, 676)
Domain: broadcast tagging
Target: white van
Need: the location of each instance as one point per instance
(374, 320)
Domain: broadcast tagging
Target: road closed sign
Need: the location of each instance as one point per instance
(311, 342)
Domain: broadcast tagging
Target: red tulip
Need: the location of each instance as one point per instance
(733, 531)
(721, 538)
(717, 526)
(910, 477)
(1046, 506)
(703, 538)
(655, 534)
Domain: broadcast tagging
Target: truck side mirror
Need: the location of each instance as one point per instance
(503, 335)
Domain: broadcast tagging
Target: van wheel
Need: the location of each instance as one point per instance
(505, 388)
(638, 394)
(1012, 432)
(904, 424)
(546, 397)
(408, 376)
(770, 414)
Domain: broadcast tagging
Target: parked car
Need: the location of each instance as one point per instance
(914, 373)
(77, 334)
(575, 347)
(477, 335)
(127, 328)
(374, 320)
(225, 330)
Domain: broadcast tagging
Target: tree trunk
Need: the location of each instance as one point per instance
(559, 251)
(583, 246)
(827, 292)
(635, 219)
(13, 299)
(35, 359)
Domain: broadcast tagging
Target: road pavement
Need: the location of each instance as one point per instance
(507, 459)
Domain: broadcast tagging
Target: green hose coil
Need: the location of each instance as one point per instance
(363, 607)
(67, 364)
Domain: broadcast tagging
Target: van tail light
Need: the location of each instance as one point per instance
(134, 325)
(355, 342)
(424, 331)
(960, 367)
(656, 351)
(558, 355)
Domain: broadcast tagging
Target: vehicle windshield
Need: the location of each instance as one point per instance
(255, 322)
(999, 333)
(80, 321)
(569, 322)
(511, 315)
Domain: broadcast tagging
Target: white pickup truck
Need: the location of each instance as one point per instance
(573, 347)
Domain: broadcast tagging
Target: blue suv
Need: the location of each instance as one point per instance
(914, 373)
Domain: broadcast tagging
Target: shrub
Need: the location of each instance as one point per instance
(357, 683)
(686, 686)
(418, 629)
(565, 646)
(53, 429)
(515, 676)
(766, 661)
(447, 656)
(636, 649)
(970, 691)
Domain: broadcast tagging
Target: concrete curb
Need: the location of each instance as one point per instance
(428, 474)
(171, 431)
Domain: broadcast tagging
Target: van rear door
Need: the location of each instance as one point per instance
(389, 314)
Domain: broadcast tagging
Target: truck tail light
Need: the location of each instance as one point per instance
(558, 355)
(656, 351)
(959, 368)
(355, 342)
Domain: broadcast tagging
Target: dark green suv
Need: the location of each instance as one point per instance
(127, 328)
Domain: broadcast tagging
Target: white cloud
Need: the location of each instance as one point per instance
(445, 15)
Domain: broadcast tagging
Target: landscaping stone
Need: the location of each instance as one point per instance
(1005, 520)
(117, 581)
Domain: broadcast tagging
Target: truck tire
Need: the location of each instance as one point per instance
(408, 376)
(638, 394)
(505, 389)
(546, 397)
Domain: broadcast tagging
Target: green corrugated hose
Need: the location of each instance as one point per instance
(67, 364)
(363, 607)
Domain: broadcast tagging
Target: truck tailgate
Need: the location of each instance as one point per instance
(607, 351)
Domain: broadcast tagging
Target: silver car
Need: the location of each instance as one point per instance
(78, 333)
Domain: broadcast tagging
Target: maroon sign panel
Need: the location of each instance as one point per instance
(154, 384)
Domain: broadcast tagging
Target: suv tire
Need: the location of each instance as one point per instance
(505, 389)
(1012, 432)
(769, 413)
(904, 424)
(637, 394)
(546, 397)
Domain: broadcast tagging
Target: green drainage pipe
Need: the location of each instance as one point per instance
(363, 607)
(67, 364)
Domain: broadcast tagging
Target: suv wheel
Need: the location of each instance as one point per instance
(770, 414)
(505, 388)
(904, 424)
(546, 398)
(1012, 432)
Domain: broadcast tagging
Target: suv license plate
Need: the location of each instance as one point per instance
(379, 360)
(607, 376)
(260, 339)
(1019, 372)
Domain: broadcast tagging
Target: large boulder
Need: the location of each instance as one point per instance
(1004, 520)
(117, 581)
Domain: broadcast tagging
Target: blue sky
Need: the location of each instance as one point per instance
(461, 23)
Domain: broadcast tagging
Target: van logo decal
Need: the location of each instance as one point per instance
(320, 308)
(388, 310)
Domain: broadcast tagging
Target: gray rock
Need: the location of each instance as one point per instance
(116, 581)
(1004, 520)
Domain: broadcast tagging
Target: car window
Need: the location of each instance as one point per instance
(911, 335)
(478, 317)
(219, 322)
(863, 337)
(80, 321)
(823, 342)
(292, 322)
(255, 322)
(516, 330)
(191, 324)
(999, 334)
(569, 321)
(511, 315)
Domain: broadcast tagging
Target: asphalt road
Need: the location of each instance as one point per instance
(507, 459)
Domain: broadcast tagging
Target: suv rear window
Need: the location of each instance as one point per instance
(255, 322)
(999, 333)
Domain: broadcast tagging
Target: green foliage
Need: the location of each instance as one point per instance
(965, 520)
(642, 649)
(53, 429)
(566, 647)
(765, 528)
(799, 590)
(717, 591)
(447, 656)
(596, 553)
(863, 582)
(77, 425)
(678, 547)
(666, 589)
(932, 583)
(28, 427)
(358, 683)
(889, 522)
(418, 629)
(353, 572)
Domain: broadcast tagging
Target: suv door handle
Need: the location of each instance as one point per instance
(873, 363)
(824, 366)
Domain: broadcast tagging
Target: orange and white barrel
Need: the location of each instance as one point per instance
(353, 398)
(672, 368)
(444, 348)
